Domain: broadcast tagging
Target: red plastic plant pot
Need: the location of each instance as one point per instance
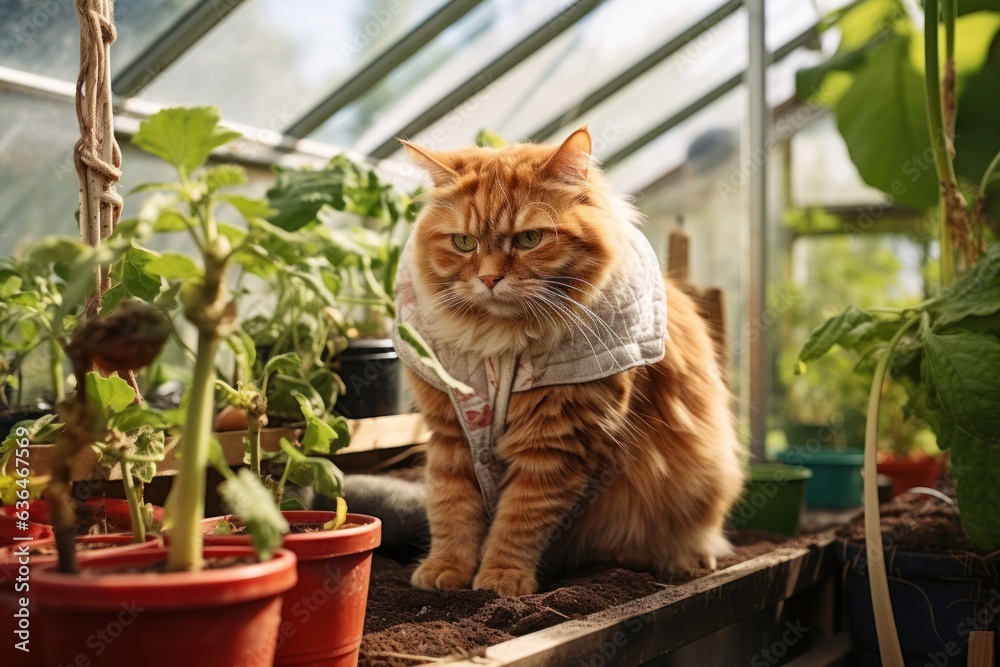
(13, 527)
(118, 612)
(323, 616)
(908, 472)
(115, 511)
(15, 582)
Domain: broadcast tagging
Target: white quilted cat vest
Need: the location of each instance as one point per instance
(633, 309)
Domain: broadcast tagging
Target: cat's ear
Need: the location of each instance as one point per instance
(436, 164)
(572, 160)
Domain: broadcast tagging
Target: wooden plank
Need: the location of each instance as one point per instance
(662, 622)
(677, 257)
(981, 645)
(386, 433)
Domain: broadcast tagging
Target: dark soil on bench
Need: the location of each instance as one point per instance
(920, 523)
(404, 625)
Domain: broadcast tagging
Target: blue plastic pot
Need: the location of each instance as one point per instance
(937, 599)
(836, 482)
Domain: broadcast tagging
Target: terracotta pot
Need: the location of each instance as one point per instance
(323, 616)
(15, 582)
(111, 615)
(910, 471)
(40, 518)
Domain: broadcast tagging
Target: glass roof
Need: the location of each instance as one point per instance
(457, 54)
(267, 64)
(568, 69)
(271, 60)
(44, 37)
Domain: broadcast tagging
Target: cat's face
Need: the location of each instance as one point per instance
(515, 233)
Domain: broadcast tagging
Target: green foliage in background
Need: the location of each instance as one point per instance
(944, 351)
(875, 85)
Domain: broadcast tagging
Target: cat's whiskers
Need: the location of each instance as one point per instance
(594, 317)
(577, 319)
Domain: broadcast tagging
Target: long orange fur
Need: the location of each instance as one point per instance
(639, 468)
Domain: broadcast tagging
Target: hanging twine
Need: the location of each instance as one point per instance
(96, 155)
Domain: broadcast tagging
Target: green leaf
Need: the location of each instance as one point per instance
(410, 336)
(173, 265)
(235, 235)
(112, 298)
(112, 393)
(222, 527)
(249, 207)
(975, 466)
(170, 221)
(148, 442)
(134, 274)
(288, 362)
(154, 187)
(40, 431)
(833, 331)
(976, 293)
(883, 122)
(962, 368)
(313, 472)
(281, 391)
(488, 139)
(224, 175)
(183, 137)
(298, 194)
(291, 505)
(245, 352)
(10, 283)
(318, 435)
(246, 496)
(217, 458)
(133, 417)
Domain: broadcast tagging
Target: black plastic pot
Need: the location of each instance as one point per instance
(937, 600)
(370, 369)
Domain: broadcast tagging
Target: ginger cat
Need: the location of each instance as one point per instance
(519, 252)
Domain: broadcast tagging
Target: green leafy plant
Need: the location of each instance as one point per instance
(944, 350)
(34, 316)
(184, 138)
(127, 433)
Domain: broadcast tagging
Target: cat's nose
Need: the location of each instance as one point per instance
(490, 281)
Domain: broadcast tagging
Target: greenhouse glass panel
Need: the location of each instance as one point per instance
(570, 68)
(43, 36)
(454, 56)
(270, 61)
(39, 196)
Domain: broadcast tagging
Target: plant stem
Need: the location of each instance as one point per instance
(57, 369)
(186, 542)
(279, 490)
(908, 309)
(253, 434)
(134, 502)
(988, 175)
(938, 135)
(885, 624)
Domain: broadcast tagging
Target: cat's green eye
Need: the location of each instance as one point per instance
(528, 239)
(464, 242)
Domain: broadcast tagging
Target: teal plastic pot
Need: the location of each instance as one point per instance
(773, 498)
(836, 481)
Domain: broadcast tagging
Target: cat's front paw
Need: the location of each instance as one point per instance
(509, 583)
(435, 573)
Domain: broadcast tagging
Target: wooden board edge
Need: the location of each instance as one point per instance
(635, 616)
